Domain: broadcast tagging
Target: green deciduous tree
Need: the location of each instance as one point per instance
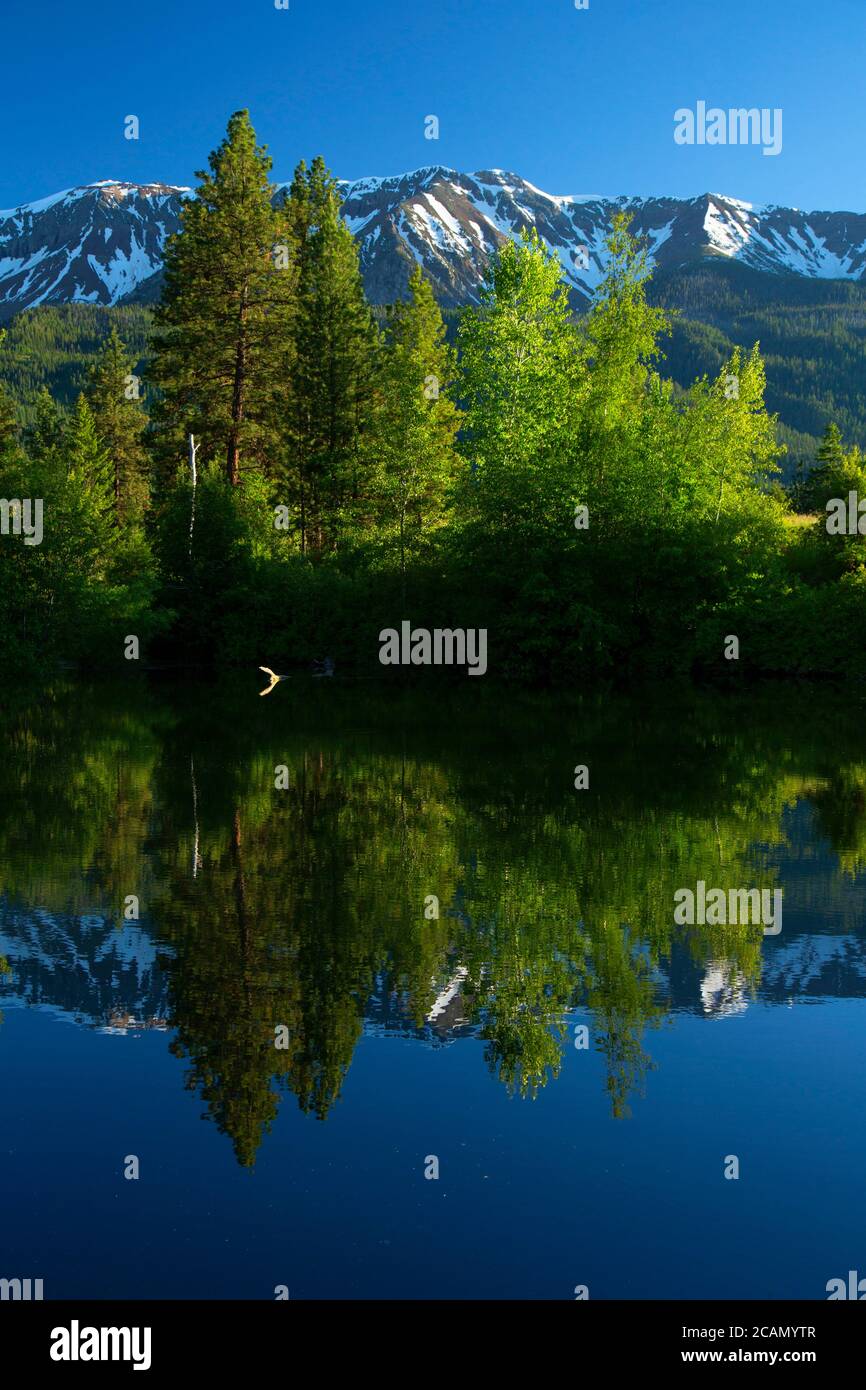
(622, 331)
(522, 377)
(411, 445)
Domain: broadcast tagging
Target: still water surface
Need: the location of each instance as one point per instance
(307, 908)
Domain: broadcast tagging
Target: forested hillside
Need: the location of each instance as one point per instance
(812, 335)
(54, 347)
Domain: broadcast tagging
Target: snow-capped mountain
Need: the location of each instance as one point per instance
(103, 243)
(450, 223)
(97, 245)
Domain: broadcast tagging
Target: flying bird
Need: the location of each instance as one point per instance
(275, 679)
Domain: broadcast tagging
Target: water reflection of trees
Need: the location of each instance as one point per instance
(292, 907)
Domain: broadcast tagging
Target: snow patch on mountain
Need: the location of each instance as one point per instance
(125, 270)
(726, 234)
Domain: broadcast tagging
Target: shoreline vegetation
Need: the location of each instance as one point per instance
(536, 479)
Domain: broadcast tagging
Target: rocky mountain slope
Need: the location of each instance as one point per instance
(100, 244)
(103, 243)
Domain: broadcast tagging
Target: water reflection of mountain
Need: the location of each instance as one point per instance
(449, 1017)
(86, 969)
(809, 966)
(96, 973)
(815, 967)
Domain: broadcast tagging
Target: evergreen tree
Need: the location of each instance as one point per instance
(334, 340)
(220, 358)
(831, 450)
(8, 420)
(43, 437)
(78, 590)
(8, 415)
(119, 419)
(823, 481)
(90, 476)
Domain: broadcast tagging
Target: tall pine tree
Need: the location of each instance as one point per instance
(8, 415)
(824, 480)
(118, 414)
(43, 437)
(8, 420)
(91, 477)
(220, 359)
(334, 341)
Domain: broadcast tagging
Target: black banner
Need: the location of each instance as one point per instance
(230, 1338)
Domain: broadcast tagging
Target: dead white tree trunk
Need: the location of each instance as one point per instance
(193, 450)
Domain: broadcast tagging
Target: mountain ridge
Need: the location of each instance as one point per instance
(104, 242)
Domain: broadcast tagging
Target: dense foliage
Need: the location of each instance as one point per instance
(537, 477)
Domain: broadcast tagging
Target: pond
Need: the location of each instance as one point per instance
(379, 991)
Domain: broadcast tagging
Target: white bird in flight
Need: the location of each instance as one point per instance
(325, 667)
(275, 679)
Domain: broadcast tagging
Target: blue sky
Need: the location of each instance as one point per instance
(574, 101)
